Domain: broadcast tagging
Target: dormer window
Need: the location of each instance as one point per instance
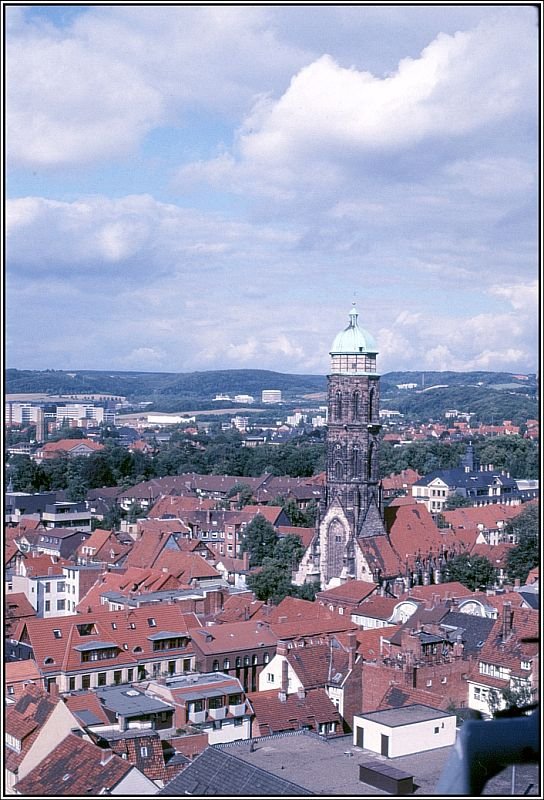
(525, 664)
(57, 633)
(152, 622)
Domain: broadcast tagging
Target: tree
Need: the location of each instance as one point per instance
(272, 582)
(289, 550)
(260, 540)
(457, 501)
(526, 554)
(475, 572)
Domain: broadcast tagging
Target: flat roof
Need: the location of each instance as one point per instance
(406, 715)
(330, 766)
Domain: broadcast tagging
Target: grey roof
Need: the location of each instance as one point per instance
(457, 477)
(127, 701)
(474, 630)
(406, 715)
(166, 635)
(95, 645)
(530, 597)
(217, 772)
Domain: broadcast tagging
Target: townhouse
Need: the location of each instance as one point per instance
(109, 648)
(242, 649)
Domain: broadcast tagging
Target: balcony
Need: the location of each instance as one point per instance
(218, 713)
(238, 709)
(197, 717)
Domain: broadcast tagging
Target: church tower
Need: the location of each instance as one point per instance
(352, 505)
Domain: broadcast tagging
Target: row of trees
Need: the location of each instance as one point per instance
(225, 454)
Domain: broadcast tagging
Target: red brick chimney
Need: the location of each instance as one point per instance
(352, 648)
(507, 618)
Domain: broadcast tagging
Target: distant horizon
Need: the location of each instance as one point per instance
(260, 369)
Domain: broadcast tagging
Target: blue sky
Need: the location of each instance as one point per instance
(209, 187)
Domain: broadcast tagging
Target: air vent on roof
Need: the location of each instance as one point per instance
(131, 693)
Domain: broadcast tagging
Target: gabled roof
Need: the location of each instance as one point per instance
(87, 708)
(56, 653)
(294, 618)
(295, 712)
(74, 768)
(67, 445)
(350, 592)
(232, 636)
(25, 719)
(317, 665)
(171, 505)
(239, 607)
(509, 651)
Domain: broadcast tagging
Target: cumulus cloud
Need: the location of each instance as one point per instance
(94, 89)
(459, 84)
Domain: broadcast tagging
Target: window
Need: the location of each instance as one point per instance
(254, 660)
(196, 705)
(85, 681)
(216, 702)
(57, 634)
(61, 586)
(429, 683)
(477, 692)
(47, 605)
(156, 668)
(226, 664)
(143, 752)
(117, 676)
(526, 665)
(444, 679)
(47, 586)
(437, 730)
(270, 677)
(11, 690)
(61, 605)
(152, 622)
(71, 684)
(238, 661)
(130, 674)
(238, 721)
(246, 661)
(266, 658)
(114, 626)
(216, 666)
(101, 678)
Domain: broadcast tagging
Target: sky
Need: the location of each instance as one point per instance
(212, 187)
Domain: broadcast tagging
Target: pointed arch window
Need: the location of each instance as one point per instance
(356, 405)
(371, 405)
(338, 470)
(356, 463)
(369, 461)
(338, 405)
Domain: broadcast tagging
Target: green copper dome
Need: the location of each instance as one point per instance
(353, 339)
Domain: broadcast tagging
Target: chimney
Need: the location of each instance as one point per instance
(301, 692)
(506, 620)
(105, 756)
(352, 648)
(284, 676)
(282, 697)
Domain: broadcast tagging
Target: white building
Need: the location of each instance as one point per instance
(271, 396)
(244, 398)
(402, 731)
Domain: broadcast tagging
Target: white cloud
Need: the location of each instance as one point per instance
(93, 90)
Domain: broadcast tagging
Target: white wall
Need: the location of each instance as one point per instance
(407, 739)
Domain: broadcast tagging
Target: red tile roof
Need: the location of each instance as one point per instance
(176, 506)
(305, 535)
(56, 654)
(294, 618)
(275, 716)
(369, 641)
(232, 636)
(351, 592)
(87, 701)
(74, 768)
(239, 607)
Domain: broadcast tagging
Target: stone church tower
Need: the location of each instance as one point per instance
(352, 508)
